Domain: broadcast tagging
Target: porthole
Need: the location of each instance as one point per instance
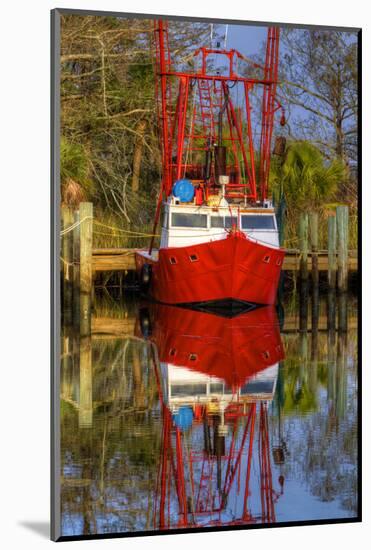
(193, 258)
(279, 261)
(266, 259)
(193, 356)
(172, 352)
(173, 260)
(266, 354)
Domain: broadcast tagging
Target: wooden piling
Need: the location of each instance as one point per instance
(342, 217)
(313, 223)
(315, 310)
(343, 312)
(341, 377)
(331, 309)
(303, 354)
(331, 362)
(303, 306)
(303, 244)
(67, 282)
(86, 272)
(332, 261)
(139, 389)
(313, 365)
(86, 384)
(76, 270)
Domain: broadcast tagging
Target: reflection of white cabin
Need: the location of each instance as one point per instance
(182, 386)
(186, 224)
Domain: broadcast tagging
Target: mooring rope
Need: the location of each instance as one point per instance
(125, 231)
(114, 229)
(74, 225)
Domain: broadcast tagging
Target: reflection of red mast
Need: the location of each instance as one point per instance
(197, 481)
(200, 498)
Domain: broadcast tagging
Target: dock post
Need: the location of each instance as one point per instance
(303, 306)
(341, 377)
(332, 263)
(303, 355)
(86, 273)
(139, 389)
(86, 384)
(313, 222)
(67, 218)
(313, 366)
(303, 287)
(76, 269)
(331, 309)
(303, 244)
(343, 312)
(331, 361)
(342, 216)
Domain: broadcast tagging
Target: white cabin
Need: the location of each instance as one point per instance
(182, 386)
(189, 224)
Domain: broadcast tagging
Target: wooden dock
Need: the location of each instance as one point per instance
(81, 263)
(109, 327)
(123, 259)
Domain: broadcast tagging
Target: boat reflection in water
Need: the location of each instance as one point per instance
(216, 378)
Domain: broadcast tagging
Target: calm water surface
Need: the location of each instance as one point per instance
(173, 418)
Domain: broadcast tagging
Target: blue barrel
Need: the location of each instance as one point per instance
(183, 190)
(183, 418)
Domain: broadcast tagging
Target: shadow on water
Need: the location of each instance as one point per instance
(178, 418)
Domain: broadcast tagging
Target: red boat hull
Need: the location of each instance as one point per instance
(230, 349)
(233, 268)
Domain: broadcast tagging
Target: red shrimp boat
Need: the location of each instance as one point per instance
(219, 234)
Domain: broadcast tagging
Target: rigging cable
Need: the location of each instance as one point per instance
(225, 37)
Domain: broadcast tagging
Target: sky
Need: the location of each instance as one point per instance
(246, 39)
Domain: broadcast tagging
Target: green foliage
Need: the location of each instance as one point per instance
(298, 395)
(74, 162)
(109, 116)
(307, 181)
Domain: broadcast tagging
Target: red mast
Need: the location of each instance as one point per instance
(270, 105)
(208, 131)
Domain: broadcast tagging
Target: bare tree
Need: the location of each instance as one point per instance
(319, 86)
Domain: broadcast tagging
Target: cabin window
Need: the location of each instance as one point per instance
(216, 387)
(229, 221)
(254, 222)
(179, 219)
(258, 386)
(193, 258)
(187, 390)
(217, 221)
